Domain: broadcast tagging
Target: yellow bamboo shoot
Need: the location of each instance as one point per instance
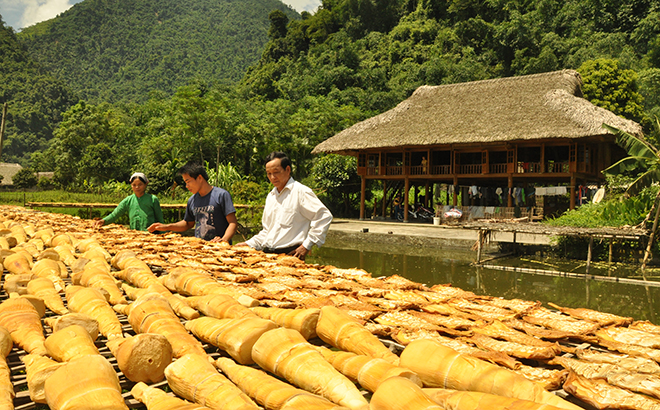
(302, 320)
(398, 393)
(219, 306)
(23, 322)
(370, 372)
(151, 313)
(156, 399)
(45, 289)
(470, 400)
(38, 369)
(92, 303)
(235, 336)
(287, 354)
(142, 358)
(194, 378)
(6, 387)
(344, 332)
(81, 319)
(440, 366)
(88, 382)
(70, 343)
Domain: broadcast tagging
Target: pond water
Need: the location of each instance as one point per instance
(453, 266)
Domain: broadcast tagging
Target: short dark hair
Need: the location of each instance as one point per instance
(194, 169)
(284, 159)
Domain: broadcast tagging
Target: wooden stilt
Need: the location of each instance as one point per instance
(480, 240)
(363, 188)
(384, 205)
(589, 252)
(406, 190)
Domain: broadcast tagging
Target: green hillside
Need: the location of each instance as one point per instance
(35, 100)
(126, 50)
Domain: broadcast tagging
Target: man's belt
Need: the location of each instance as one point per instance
(285, 250)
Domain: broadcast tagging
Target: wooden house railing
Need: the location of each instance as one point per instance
(498, 168)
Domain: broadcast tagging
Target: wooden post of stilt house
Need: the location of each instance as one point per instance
(509, 194)
(589, 252)
(2, 126)
(480, 239)
(363, 189)
(572, 193)
(406, 190)
(384, 206)
(455, 198)
(515, 245)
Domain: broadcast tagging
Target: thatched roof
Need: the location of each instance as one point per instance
(8, 170)
(539, 106)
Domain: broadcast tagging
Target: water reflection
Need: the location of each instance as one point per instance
(442, 266)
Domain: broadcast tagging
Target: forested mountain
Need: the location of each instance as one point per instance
(35, 100)
(316, 75)
(374, 53)
(125, 50)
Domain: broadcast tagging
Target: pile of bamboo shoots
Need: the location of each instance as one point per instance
(232, 328)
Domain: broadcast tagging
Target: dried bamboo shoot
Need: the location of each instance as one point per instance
(92, 303)
(194, 378)
(302, 320)
(17, 263)
(343, 332)
(310, 402)
(86, 383)
(6, 387)
(156, 399)
(219, 306)
(90, 324)
(440, 366)
(266, 390)
(235, 336)
(370, 372)
(45, 289)
(287, 354)
(470, 400)
(23, 322)
(151, 313)
(38, 369)
(70, 343)
(398, 393)
(142, 358)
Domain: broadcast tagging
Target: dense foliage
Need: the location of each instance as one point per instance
(317, 75)
(35, 100)
(125, 50)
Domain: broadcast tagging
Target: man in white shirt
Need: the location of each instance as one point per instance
(294, 219)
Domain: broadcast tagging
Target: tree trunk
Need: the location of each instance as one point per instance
(651, 237)
(2, 126)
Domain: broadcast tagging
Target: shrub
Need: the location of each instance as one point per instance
(25, 178)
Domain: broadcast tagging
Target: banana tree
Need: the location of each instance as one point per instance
(643, 157)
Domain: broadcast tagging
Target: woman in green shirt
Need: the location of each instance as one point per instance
(143, 209)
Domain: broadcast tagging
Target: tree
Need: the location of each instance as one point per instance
(337, 176)
(25, 178)
(644, 157)
(608, 86)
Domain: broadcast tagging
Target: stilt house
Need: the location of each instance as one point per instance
(534, 131)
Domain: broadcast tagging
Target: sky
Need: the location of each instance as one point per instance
(23, 13)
